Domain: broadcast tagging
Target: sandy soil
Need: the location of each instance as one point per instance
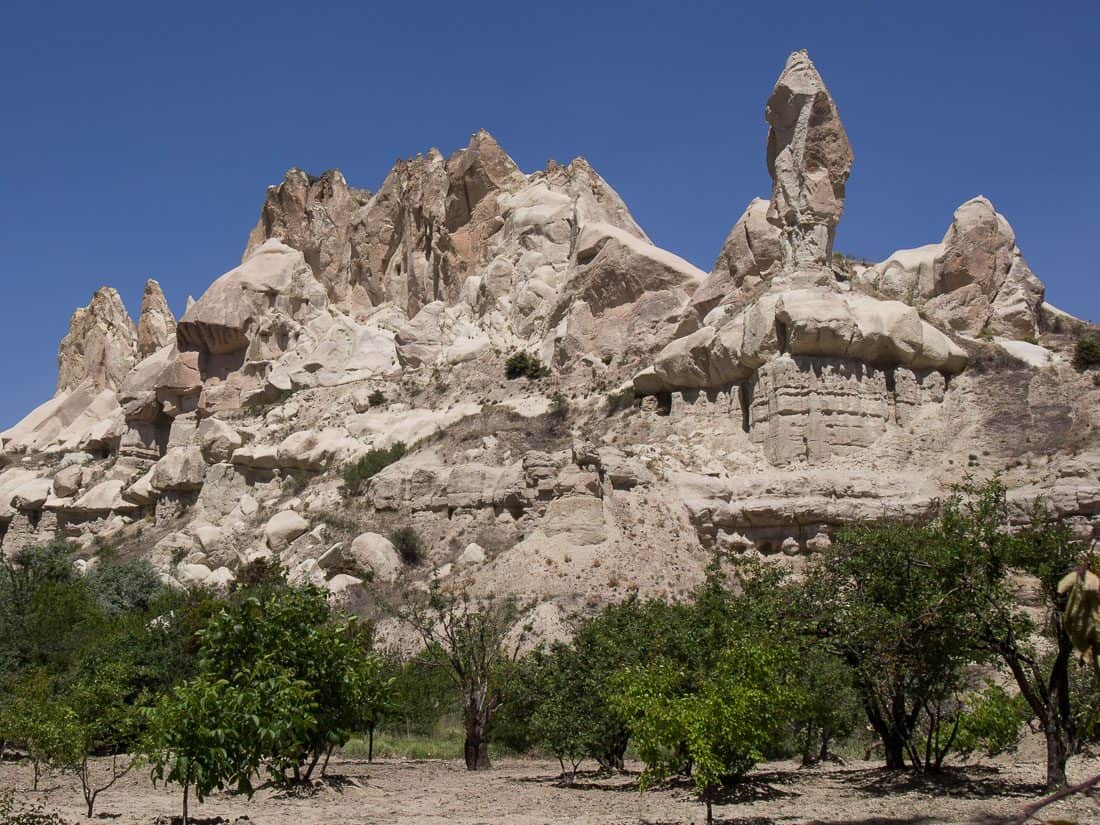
(528, 792)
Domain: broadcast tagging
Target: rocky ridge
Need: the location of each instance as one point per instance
(752, 409)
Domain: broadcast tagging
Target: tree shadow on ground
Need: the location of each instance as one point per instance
(597, 780)
(960, 783)
(877, 820)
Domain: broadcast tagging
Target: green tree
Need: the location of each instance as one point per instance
(718, 723)
(97, 716)
(32, 717)
(211, 733)
(295, 631)
(880, 600)
(984, 556)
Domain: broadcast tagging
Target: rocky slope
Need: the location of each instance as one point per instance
(754, 408)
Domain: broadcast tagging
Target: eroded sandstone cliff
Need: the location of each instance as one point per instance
(752, 409)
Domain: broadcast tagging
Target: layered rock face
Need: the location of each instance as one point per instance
(754, 409)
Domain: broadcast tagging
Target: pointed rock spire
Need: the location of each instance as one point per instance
(809, 159)
(157, 325)
(101, 344)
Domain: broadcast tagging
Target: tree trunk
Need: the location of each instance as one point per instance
(186, 788)
(1057, 755)
(893, 746)
(476, 749)
(823, 753)
(370, 743)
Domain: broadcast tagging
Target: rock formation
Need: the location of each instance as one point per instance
(975, 281)
(753, 409)
(809, 160)
(100, 346)
(157, 325)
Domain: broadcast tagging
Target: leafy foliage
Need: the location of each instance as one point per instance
(406, 541)
(719, 724)
(368, 466)
(991, 721)
(474, 641)
(524, 365)
(1086, 353)
(120, 587)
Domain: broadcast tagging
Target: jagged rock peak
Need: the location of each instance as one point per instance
(101, 344)
(312, 214)
(809, 159)
(157, 325)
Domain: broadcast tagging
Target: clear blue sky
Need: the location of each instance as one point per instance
(138, 138)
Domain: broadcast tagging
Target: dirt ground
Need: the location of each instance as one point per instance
(529, 792)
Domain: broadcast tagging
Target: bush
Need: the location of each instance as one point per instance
(621, 400)
(1086, 353)
(120, 587)
(524, 365)
(408, 545)
(369, 465)
(559, 406)
(376, 398)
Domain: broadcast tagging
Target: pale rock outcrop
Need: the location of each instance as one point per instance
(315, 451)
(282, 528)
(31, 495)
(101, 345)
(101, 500)
(809, 160)
(157, 325)
(217, 440)
(750, 256)
(314, 215)
(975, 281)
(376, 553)
(83, 417)
(182, 469)
(471, 556)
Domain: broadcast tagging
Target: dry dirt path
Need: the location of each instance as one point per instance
(527, 792)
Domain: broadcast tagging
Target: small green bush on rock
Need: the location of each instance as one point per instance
(369, 465)
(1086, 353)
(524, 365)
(408, 545)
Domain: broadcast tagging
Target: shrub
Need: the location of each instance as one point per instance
(620, 400)
(559, 406)
(524, 365)
(1086, 353)
(376, 398)
(369, 465)
(408, 545)
(123, 586)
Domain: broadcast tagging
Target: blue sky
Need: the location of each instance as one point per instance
(138, 138)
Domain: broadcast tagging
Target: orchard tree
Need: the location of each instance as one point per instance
(211, 733)
(718, 723)
(985, 554)
(474, 641)
(879, 599)
(294, 631)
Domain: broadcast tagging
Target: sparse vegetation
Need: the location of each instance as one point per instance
(1086, 353)
(376, 399)
(357, 474)
(406, 541)
(524, 365)
(621, 400)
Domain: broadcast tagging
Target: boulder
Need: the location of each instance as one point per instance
(376, 553)
(181, 470)
(282, 528)
(473, 555)
(217, 440)
(68, 480)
